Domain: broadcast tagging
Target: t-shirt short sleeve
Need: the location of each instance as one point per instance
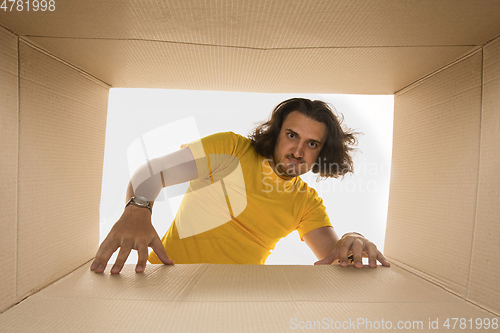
(315, 215)
(208, 150)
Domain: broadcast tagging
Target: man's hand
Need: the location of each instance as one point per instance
(359, 247)
(132, 231)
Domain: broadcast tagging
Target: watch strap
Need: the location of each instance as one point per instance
(132, 201)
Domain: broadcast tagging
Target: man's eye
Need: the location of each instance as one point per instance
(313, 144)
(291, 136)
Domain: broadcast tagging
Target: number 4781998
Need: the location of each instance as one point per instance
(28, 5)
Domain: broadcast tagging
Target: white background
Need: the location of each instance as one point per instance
(357, 203)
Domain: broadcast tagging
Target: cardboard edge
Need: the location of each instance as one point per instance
(9, 30)
(87, 75)
(198, 274)
(14, 298)
(42, 287)
(436, 282)
(418, 82)
(478, 177)
(482, 156)
(491, 40)
(16, 242)
(470, 54)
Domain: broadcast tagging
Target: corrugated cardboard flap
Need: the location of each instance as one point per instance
(235, 298)
(343, 46)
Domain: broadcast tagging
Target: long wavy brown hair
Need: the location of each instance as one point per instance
(335, 157)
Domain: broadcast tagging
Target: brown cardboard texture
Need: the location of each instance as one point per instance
(238, 298)
(439, 58)
(483, 282)
(9, 165)
(429, 159)
(365, 47)
(60, 145)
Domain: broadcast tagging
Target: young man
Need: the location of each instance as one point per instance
(244, 195)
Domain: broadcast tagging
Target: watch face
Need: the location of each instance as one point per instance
(141, 202)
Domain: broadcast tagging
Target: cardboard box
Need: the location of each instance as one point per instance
(440, 59)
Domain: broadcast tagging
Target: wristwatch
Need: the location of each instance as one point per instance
(140, 202)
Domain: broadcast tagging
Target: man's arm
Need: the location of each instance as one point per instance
(327, 247)
(134, 230)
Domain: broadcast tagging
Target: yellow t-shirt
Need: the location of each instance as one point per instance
(238, 208)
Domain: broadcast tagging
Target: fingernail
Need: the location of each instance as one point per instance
(344, 263)
(359, 263)
(139, 268)
(373, 263)
(99, 267)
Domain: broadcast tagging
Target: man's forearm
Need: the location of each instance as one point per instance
(148, 180)
(130, 194)
(321, 241)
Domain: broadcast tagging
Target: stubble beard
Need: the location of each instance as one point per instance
(292, 171)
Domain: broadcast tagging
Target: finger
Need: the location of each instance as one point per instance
(157, 246)
(142, 251)
(121, 258)
(382, 259)
(357, 252)
(105, 252)
(334, 255)
(344, 249)
(372, 255)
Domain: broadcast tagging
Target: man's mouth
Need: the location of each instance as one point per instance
(294, 161)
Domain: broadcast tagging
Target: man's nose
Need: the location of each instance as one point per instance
(298, 150)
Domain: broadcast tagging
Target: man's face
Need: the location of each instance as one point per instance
(298, 146)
